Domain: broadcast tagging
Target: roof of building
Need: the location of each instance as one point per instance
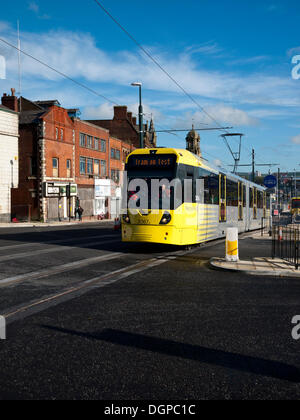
(48, 104)
(30, 117)
(4, 108)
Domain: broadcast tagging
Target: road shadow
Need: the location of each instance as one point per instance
(80, 238)
(228, 360)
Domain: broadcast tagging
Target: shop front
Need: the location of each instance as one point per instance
(60, 200)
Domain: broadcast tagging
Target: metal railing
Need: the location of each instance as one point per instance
(286, 243)
(266, 226)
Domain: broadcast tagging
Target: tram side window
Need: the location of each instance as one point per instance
(244, 196)
(232, 193)
(187, 175)
(260, 200)
(251, 198)
(211, 187)
(268, 201)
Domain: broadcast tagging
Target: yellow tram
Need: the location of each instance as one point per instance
(203, 201)
(295, 207)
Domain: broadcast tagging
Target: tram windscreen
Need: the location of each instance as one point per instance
(160, 167)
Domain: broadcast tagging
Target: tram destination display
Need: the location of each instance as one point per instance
(152, 161)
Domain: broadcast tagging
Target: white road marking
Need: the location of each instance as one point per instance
(54, 242)
(56, 249)
(60, 269)
(86, 285)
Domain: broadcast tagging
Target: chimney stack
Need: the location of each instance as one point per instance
(11, 101)
(120, 112)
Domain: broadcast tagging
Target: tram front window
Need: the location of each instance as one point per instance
(154, 193)
(296, 204)
(152, 181)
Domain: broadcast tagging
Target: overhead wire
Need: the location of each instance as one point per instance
(156, 62)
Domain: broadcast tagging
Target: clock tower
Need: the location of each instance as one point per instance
(193, 142)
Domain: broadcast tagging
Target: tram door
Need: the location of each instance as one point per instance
(241, 201)
(223, 215)
(255, 204)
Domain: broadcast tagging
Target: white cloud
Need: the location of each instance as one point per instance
(221, 114)
(218, 162)
(293, 51)
(101, 112)
(272, 113)
(77, 55)
(209, 48)
(296, 140)
(4, 26)
(249, 60)
(34, 7)
(106, 112)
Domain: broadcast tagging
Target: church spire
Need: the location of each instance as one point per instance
(193, 142)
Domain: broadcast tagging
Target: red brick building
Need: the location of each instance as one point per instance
(124, 126)
(99, 158)
(62, 158)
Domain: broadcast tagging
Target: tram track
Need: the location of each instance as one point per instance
(30, 307)
(27, 309)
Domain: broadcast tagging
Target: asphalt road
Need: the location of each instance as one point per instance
(92, 318)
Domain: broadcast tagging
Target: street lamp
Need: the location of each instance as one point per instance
(139, 85)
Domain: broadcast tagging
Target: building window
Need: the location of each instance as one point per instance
(103, 168)
(112, 153)
(96, 167)
(117, 155)
(90, 167)
(90, 142)
(32, 166)
(61, 134)
(82, 165)
(103, 146)
(82, 140)
(97, 143)
(115, 176)
(56, 133)
(55, 167)
(68, 168)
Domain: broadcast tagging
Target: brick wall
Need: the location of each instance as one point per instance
(61, 147)
(9, 162)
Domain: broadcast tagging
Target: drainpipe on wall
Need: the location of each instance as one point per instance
(108, 160)
(42, 155)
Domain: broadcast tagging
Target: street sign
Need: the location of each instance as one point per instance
(102, 188)
(270, 181)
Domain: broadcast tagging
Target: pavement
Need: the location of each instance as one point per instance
(91, 318)
(50, 224)
(265, 266)
(258, 266)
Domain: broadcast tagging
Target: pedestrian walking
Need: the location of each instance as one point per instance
(80, 213)
(77, 205)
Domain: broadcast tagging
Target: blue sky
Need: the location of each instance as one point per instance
(234, 57)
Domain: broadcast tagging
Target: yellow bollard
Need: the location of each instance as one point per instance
(232, 245)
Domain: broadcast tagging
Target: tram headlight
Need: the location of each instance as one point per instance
(166, 219)
(126, 218)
